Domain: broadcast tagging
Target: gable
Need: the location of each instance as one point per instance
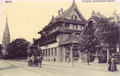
(75, 14)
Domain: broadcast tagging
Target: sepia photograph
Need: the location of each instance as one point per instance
(59, 38)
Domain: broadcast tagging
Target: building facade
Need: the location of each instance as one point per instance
(59, 37)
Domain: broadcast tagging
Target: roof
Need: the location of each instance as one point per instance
(97, 17)
(67, 30)
(73, 38)
(64, 15)
(35, 44)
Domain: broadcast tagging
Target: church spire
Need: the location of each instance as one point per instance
(6, 27)
(6, 34)
(73, 1)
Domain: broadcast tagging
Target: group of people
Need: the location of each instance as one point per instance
(112, 63)
(35, 61)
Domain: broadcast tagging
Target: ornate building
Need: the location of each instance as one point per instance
(6, 37)
(59, 37)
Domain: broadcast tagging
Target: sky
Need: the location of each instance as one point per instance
(27, 17)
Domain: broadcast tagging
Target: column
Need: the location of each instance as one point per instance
(50, 52)
(47, 52)
(71, 53)
(96, 58)
(53, 51)
(44, 53)
(57, 56)
(108, 54)
(79, 57)
(63, 52)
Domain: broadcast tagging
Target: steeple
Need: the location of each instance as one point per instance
(6, 34)
(6, 27)
(73, 1)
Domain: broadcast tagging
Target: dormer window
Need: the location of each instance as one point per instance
(74, 17)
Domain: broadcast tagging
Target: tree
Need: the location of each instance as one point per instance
(0, 50)
(108, 32)
(96, 36)
(17, 49)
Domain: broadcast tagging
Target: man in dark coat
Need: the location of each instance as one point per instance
(54, 59)
(40, 61)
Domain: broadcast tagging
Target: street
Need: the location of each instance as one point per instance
(20, 68)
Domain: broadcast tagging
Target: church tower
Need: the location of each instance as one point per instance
(6, 37)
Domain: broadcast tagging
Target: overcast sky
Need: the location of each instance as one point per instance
(27, 17)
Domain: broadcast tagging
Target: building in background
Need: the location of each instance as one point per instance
(6, 38)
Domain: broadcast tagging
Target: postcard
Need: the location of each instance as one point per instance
(59, 38)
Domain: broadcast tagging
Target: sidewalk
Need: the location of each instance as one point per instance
(3, 65)
(77, 65)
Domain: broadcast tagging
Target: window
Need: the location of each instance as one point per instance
(55, 51)
(79, 26)
(52, 51)
(43, 52)
(63, 25)
(74, 17)
(75, 27)
(82, 27)
(71, 25)
(46, 52)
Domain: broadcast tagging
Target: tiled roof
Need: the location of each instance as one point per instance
(73, 38)
(65, 14)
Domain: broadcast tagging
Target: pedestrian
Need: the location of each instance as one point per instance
(36, 61)
(54, 59)
(109, 64)
(40, 61)
(30, 61)
(113, 63)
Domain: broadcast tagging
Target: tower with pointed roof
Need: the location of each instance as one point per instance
(6, 37)
(59, 38)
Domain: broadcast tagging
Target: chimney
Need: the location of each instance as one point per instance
(93, 13)
(33, 39)
(61, 11)
(52, 17)
(98, 13)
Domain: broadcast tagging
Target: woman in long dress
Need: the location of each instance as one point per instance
(113, 63)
